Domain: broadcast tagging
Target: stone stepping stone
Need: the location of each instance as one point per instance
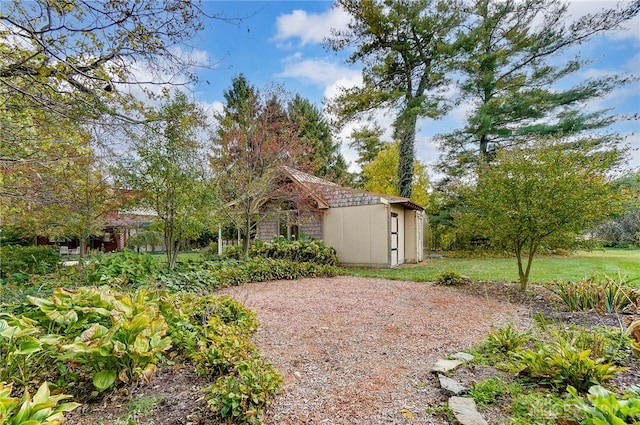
(465, 357)
(444, 365)
(465, 411)
(450, 387)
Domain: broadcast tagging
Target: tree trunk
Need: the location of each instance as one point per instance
(169, 246)
(247, 242)
(484, 149)
(406, 154)
(523, 273)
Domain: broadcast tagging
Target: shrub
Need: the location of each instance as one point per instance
(603, 407)
(603, 294)
(22, 261)
(43, 408)
(241, 397)
(125, 267)
(451, 278)
(266, 269)
(221, 346)
(299, 250)
(199, 281)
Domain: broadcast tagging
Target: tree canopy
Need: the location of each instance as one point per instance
(542, 194)
(253, 138)
(314, 133)
(379, 175)
(404, 49)
(74, 57)
(507, 56)
(168, 172)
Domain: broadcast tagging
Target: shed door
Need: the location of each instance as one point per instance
(394, 239)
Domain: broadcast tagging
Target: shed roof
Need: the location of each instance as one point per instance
(331, 195)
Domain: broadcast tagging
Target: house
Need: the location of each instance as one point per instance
(366, 229)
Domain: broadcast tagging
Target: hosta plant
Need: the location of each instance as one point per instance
(23, 349)
(602, 407)
(43, 408)
(115, 337)
(560, 363)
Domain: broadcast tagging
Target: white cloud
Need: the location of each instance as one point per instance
(633, 141)
(317, 71)
(310, 27)
(342, 82)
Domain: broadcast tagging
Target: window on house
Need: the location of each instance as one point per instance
(287, 225)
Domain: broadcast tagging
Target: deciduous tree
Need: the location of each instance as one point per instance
(253, 139)
(72, 57)
(59, 188)
(543, 194)
(169, 171)
(379, 175)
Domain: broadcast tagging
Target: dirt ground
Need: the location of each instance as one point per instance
(359, 351)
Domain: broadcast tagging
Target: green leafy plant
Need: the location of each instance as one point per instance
(560, 363)
(297, 250)
(241, 396)
(506, 339)
(603, 294)
(116, 337)
(199, 281)
(488, 391)
(18, 262)
(43, 408)
(125, 267)
(602, 407)
(451, 278)
(23, 350)
(221, 347)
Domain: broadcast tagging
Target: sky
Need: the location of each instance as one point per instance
(280, 42)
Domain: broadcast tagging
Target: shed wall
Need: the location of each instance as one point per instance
(360, 234)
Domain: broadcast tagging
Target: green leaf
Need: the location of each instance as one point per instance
(104, 379)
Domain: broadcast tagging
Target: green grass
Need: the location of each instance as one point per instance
(544, 268)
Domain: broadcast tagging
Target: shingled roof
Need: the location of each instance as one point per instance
(330, 195)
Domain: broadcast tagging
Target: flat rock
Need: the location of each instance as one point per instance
(450, 387)
(463, 356)
(464, 409)
(444, 365)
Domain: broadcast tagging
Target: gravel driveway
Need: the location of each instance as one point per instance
(358, 351)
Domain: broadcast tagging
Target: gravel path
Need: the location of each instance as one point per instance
(358, 351)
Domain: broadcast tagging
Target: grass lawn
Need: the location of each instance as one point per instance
(544, 269)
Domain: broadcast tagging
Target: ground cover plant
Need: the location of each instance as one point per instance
(60, 332)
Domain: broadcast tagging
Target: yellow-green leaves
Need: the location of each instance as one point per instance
(43, 408)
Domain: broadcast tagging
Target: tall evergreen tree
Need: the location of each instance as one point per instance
(315, 134)
(506, 60)
(367, 142)
(404, 47)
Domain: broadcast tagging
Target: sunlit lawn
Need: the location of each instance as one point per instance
(544, 269)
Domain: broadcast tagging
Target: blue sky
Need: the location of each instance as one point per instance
(280, 42)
